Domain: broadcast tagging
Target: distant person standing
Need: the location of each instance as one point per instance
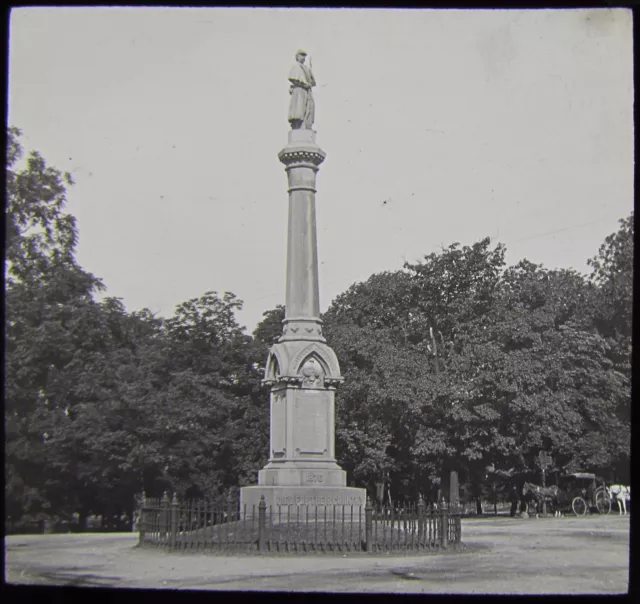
(302, 106)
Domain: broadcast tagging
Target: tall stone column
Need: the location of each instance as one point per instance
(302, 158)
(302, 370)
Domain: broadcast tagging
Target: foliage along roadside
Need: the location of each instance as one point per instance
(455, 362)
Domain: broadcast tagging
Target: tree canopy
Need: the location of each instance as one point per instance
(459, 361)
(454, 362)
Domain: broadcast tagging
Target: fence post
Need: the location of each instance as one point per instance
(174, 521)
(262, 521)
(166, 504)
(421, 530)
(142, 519)
(444, 524)
(368, 525)
(232, 507)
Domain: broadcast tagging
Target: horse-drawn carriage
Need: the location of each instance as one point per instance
(578, 492)
(581, 493)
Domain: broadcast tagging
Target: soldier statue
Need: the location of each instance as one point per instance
(301, 106)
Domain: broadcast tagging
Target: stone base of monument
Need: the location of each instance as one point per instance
(291, 502)
(293, 474)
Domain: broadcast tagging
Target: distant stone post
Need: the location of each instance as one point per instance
(421, 519)
(142, 518)
(174, 521)
(444, 524)
(454, 489)
(368, 525)
(164, 524)
(544, 462)
(262, 521)
(232, 507)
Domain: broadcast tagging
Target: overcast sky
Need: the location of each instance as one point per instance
(439, 126)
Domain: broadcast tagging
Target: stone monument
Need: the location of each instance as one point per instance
(302, 370)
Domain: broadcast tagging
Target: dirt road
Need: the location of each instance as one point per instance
(587, 555)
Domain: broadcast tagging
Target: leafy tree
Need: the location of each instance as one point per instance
(251, 438)
(98, 442)
(47, 294)
(613, 273)
(385, 379)
(209, 403)
(268, 331)
(396, 333)
(40, 237)
(457, 287)
(458, 362)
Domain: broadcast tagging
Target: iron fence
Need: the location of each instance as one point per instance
(203, 526)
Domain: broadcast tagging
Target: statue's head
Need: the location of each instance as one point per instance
(300, 56)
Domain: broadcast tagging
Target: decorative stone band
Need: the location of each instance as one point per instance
(287, 358)
(302, 157)
(301, 164)
(297, 380)
(288, 319)
(301, 188)
(302, 328)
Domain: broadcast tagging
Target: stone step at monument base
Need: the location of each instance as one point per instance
(296, 502)
(292, 474)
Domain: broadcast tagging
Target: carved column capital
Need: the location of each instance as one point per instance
(302, 157)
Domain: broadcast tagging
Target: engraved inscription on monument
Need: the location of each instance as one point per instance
(311, 409)
(320, 500)
(314, 477)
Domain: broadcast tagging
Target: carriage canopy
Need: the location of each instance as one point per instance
(581, 476)
(581, 489)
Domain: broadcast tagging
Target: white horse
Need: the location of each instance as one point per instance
(620, 494)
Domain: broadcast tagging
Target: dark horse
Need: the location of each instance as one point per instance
(550, 495)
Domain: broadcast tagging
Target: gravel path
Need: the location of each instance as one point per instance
(506, 556)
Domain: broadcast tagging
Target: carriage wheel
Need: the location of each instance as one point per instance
(579, 506)
(603, 502)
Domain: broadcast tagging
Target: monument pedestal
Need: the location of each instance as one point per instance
(302, 470)
(304, 498)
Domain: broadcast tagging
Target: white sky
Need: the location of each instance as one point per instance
(512, 124)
